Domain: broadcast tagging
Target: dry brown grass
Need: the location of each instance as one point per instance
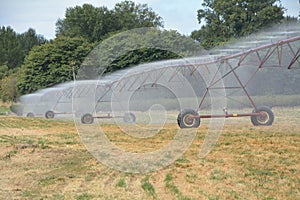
(42, 159)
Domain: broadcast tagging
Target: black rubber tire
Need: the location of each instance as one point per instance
(129, 117)
(184, 119)
(266, 119)
(30, 114)
(49, 114)
(87, 119)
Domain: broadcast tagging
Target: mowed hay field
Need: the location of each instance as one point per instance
(45, 159)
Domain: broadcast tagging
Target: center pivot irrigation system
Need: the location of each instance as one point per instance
(228, 76)
(224, 73)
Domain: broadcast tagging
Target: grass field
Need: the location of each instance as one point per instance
(45, 159)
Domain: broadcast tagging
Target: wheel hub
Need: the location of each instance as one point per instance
(263, 117)
(189, 120)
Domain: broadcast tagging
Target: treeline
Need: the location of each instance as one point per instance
(13, 49)
(28, 62)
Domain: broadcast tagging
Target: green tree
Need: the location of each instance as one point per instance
(86, 21)
(137, 46)
(95, 23)
(52, 63)
(226, 19)
(128, 15)
(14, 47)
(149, 45)
(139, 56)
(10, 48)
(8, 88)
(30, 39)
(4, 70)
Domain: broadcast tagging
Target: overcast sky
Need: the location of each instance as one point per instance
(41, 15)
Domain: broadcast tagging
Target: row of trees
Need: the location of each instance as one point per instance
(47, 63)
(82, 29)
(13, 49)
